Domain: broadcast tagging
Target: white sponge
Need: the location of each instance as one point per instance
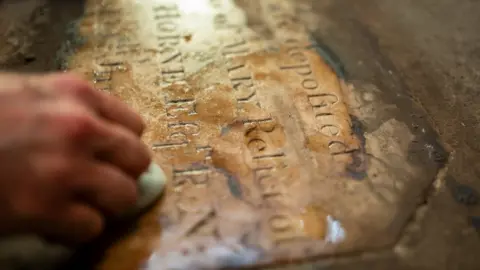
(150, 186)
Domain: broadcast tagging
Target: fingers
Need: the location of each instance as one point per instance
(122, 148)
(75, 223)
(115, 134)
(105, 187)
(99, 190)
(71, 120)
(103, 104)
(97, 138)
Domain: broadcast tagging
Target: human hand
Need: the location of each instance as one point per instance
(69, 156)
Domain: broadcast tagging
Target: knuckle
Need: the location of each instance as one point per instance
(68, 120)
(123, 138)
(90, 224)
(79, 125)
(70, 83)
(62, 170)
(55, 172)
(126, 201)
(82, 89)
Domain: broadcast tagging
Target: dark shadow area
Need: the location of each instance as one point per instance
(47, 40)
(90, 255)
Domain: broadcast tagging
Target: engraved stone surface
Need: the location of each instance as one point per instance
(270, 155)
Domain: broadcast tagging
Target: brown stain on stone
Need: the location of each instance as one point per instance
(216, 105)
(228, 154)
(176, 91)
(313, 222)
(276, 138)
(317, 143)
(188, 37)
(276, 76)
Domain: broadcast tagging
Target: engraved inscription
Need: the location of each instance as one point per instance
(102, 74)
(168, 38)
(179, 107)
(242, 82)
(257, 142)
(328, 113)
(270, 163)
(236, 47)
(284, 228)
(190, 182)
(173, 69)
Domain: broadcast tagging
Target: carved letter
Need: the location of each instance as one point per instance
(283, 228)
(297, 55)
(167, 27)
(168, 42)
(193, 176)
(330, 130)
(299, 69)
(339, 148)
(322, 100)
(309, 84)
(166, 12)
(179, 135)
(171, 75)
(236, 48)
(220, 21)
(328, 124)
(190, 128)
(176, 108)
(174, 57)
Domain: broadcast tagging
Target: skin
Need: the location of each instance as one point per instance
(69, 157)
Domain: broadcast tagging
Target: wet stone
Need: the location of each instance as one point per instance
(264, 149)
